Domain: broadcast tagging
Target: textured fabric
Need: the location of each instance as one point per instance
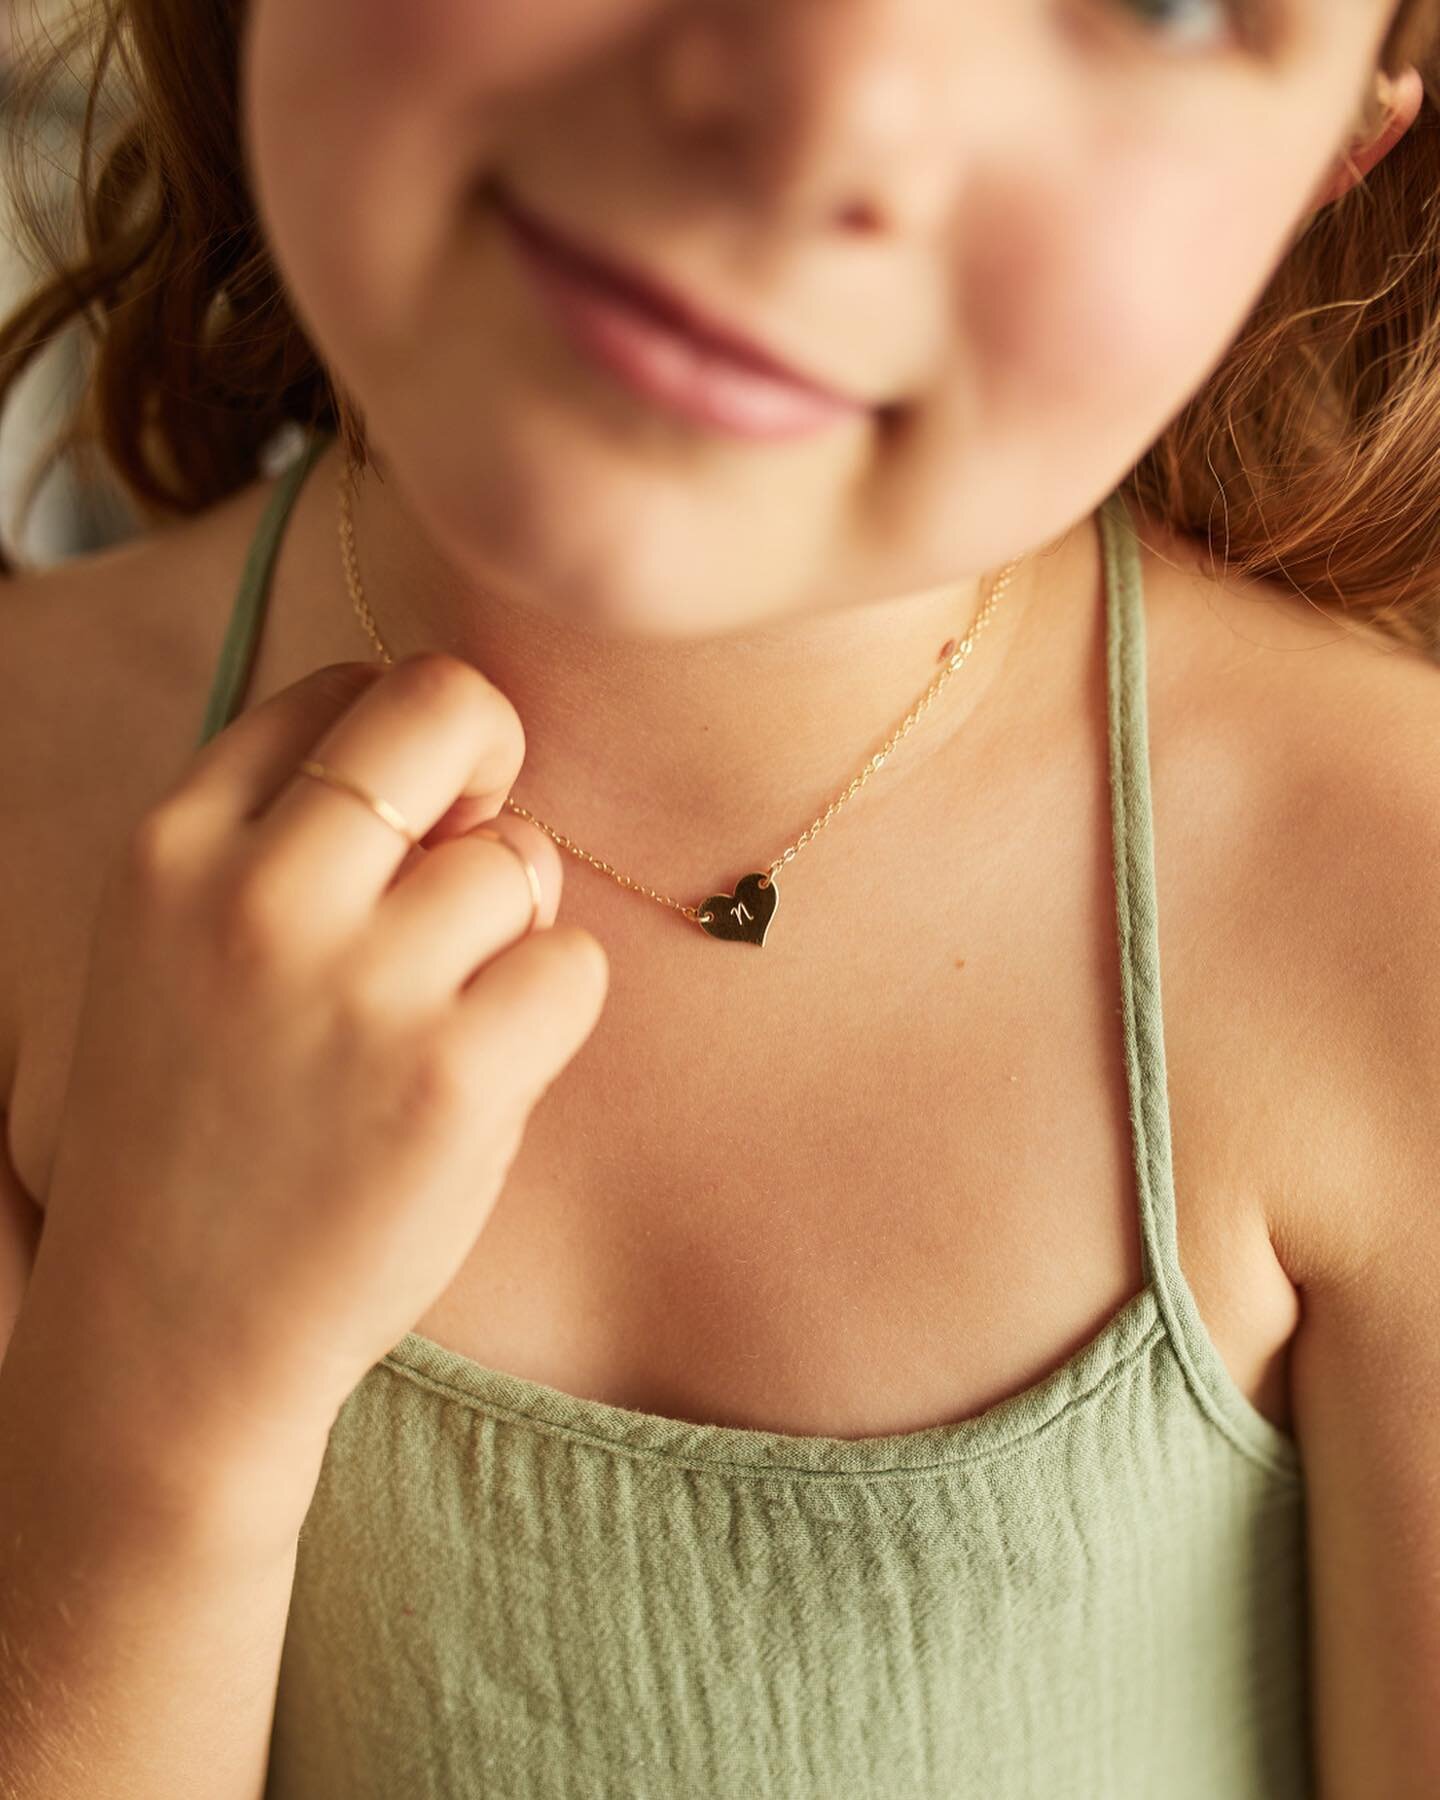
(1093, 1590)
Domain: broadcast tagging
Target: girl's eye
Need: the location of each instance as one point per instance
(1195, 24)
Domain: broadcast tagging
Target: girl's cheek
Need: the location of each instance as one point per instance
(1059, 297)
(485, 46)
(366, 124)
(331, 75)
(1116, 295)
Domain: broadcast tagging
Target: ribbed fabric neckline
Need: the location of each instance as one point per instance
(1162, 1313)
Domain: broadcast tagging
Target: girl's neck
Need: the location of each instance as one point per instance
(738, 741)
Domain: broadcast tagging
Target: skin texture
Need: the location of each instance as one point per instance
(989, 220)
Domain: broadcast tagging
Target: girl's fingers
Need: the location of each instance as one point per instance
(231, 778)
(454, 908)
(420, 736)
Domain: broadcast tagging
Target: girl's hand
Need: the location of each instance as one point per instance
(307, 1053)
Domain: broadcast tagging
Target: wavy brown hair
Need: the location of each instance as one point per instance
(1311, 455)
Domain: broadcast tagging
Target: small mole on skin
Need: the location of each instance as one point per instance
(947, 650)
(959, 962)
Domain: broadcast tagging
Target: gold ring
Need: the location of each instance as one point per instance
(536, 893)
(348, 785)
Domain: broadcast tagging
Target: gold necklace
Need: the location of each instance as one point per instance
(744, 916)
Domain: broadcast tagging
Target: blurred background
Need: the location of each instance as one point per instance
(72, 511)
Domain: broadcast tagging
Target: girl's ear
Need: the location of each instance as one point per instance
(1400, 99)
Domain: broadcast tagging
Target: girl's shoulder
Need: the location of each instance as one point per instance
(1295, 754)
(1317, 749)
(1319, 713)
(105, 662)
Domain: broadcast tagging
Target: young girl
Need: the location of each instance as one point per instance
(602, 1201)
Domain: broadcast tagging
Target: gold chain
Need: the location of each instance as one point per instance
(956, 652)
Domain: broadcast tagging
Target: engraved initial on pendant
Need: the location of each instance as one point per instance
(744, 916)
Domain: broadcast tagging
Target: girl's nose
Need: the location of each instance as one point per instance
(850, 111)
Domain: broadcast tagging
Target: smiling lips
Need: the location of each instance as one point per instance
(661, 346)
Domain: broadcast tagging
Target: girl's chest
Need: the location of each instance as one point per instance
(872, 1181)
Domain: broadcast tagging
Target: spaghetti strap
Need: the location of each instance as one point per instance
(237, 654)
(1133, 834)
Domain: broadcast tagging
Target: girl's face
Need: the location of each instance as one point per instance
(1019, 236)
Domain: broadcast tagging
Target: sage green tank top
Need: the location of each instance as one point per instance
(1093, 1590)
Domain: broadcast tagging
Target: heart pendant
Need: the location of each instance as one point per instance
(744, 916)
